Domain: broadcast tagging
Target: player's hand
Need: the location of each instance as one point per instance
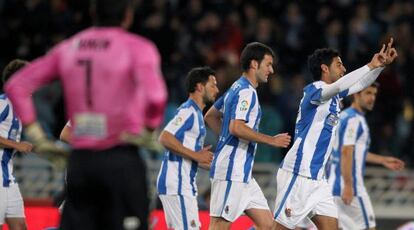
(391, 53)
(43, 145)
(146, 139)
(24, 147)
(393, 163)
(347, 195)
(281, 140)
(204, 156)
(51, 148)
(379, 59)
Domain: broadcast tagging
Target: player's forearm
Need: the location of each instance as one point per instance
(241, 130)
(172, 144)
(6, 143)
(346, 164)
(374, 158)
(365, 81)
(65, 134)
(343, 83)
(213, 119)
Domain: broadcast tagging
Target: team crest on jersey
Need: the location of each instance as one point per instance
(178, 121)
(193, 224)
(244, 105)
(351, 133)
(332, 119)
(288, 212)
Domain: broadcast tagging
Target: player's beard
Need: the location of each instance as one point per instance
(367, 107)
(208, 99)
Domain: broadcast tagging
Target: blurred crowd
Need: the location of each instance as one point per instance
(195, 32)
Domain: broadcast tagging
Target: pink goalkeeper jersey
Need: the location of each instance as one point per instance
(112, 83)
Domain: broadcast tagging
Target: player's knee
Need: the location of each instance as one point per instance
(18, 226)
(219, 223)
(266, 225)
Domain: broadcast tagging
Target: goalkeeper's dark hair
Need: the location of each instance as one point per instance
(198, 75)
(12, 68)
(110, 12)
(319, 57)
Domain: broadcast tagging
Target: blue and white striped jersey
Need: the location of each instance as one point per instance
(10, 128)
(314, 133)
(353, 130)
(177, 175)
(234, 157)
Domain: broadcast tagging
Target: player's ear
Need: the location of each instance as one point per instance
(199, 87)
(254, 64)
(324, 68)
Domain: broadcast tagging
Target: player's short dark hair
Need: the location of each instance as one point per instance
(319, 57)
(254, 51)
(198, 75)
(12, 68)
(110, 12)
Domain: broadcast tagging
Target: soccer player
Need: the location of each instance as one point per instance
(236, 115)
(183, 138)
(11, 202)
(302, 189)
(112, 86)
(348, 163)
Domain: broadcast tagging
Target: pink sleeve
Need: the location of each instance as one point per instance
(20, 87)
(148, 70)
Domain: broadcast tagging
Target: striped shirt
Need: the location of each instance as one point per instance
(234, 157)
(315, 130)
(10, 128)
(177, 175)
(353, 130)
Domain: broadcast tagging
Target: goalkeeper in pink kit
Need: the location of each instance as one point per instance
(113, 88)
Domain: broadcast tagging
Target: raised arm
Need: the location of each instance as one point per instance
(365, 81)
(344, 83)
(363, 77)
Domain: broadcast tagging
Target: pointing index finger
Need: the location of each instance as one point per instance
(382, 49)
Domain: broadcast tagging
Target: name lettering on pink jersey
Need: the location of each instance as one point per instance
(94, 44)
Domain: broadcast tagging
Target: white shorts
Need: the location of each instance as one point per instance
(358, 215)
(181, 212)
(229, 199)
(306, 224)
(11, 203)
(299, 197)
